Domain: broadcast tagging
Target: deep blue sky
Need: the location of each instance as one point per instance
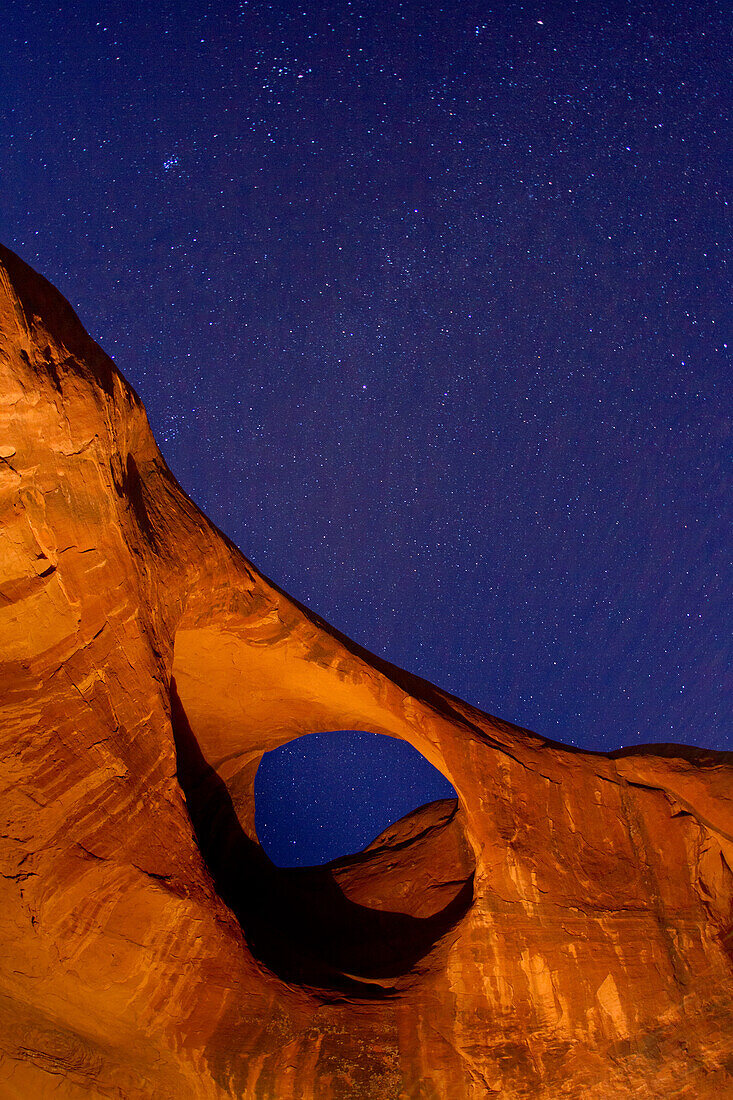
(427, 307)
(330, 794)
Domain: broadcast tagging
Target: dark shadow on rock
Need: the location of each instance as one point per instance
(298, 922)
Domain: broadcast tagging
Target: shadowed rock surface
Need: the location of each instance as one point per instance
(564, 930)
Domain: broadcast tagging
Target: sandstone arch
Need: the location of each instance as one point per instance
(594, 958)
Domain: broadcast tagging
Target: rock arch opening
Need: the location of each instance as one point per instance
(367, 924)
(324, 796)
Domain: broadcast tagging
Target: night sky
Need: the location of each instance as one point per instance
(427, 306)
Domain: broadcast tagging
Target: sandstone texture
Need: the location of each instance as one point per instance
(563, 930)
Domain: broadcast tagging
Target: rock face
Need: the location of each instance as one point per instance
(564, 930)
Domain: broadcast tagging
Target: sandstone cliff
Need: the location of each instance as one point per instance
(564, 930)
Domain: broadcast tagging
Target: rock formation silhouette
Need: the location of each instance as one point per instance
(563, 930)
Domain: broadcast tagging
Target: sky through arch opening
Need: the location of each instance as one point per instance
(327, 795)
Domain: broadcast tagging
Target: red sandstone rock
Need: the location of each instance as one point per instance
(565, 931)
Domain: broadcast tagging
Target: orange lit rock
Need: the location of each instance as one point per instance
(564, 931)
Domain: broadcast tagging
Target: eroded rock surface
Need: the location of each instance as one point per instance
(563, 931)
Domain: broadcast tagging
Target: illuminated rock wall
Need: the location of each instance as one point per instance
(563, 931)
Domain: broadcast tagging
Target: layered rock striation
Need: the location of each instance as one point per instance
(563, 930)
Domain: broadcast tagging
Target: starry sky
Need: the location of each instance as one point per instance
(427, 306)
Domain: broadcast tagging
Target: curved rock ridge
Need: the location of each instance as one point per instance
(562, 930)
